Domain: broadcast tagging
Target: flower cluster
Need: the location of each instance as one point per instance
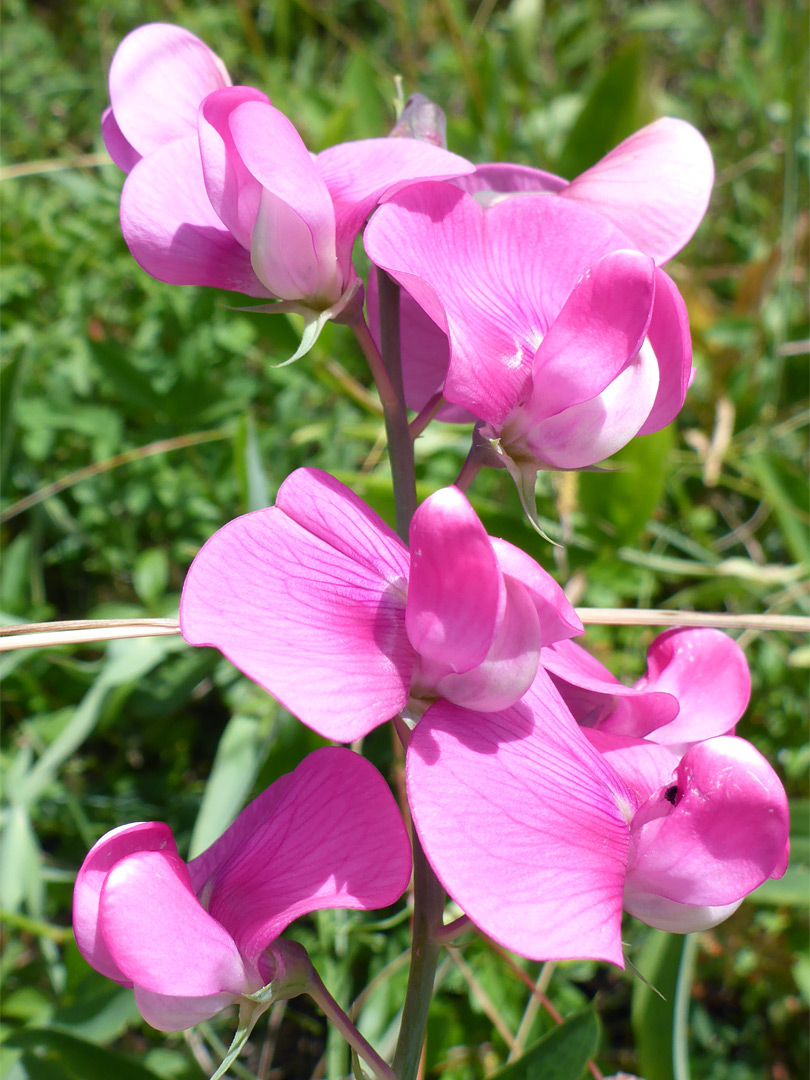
(523, 749)
(547, 795)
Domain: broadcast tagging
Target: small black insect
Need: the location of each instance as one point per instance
(671, 794)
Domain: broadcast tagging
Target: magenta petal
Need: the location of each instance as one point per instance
(102, 857)
(524, 824)
(328, 835)
(158, 77)
(360, 174)
(707, 672)
(454, 586)
(319, 625)
(510, 666)
(558, 620)
(233, 191)
(593, 430)
(431, 239)
(507, 179)
(168, 1013)
(671, 342)
(333, 513)
(293, 238)
(590, 691)
(172, 230)
(124, 155)
(159, 934)
(598, 332)
(717, 833)
(655, 186)
(643, 765)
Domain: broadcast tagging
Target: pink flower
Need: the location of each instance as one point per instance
(696, 687)
(654, 187)
(564, 341)
(319, 602)
(194, 938)
(542, 834)
(255, 212)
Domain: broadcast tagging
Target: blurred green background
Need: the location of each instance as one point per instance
(100, 361)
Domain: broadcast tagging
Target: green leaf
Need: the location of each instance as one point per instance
(619, 504)
(562, 1054)
(127, 661)
(253, 479)
(150, 575)
(611, 112)
(237, 762)
(659, 1018)
(20, 857)
(75, 1058)
(9, 383)
(776, 485)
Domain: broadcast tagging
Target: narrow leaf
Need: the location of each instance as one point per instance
(562, 1054)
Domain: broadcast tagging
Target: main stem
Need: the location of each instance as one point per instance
(428, 904)
(400, 440)
(428, 895)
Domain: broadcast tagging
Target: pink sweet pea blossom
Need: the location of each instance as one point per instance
(319, 602)
(254, 212)
(696, 687)
(193, 938)
(654, 187)
(542, 831)
(565, 341)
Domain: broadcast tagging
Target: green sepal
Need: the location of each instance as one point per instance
(314, 320)
(248, 1015)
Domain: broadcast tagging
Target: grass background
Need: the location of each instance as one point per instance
(99, 359)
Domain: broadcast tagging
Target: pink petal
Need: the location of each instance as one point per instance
(524, 823)
(360, 174)
(172, 230)
(454, 586)
(538, 250)
(717, 833)
(593, 430)
(167, 1013)
(293, 237)
(673, 917)
(655, 186)
(233, 191)
(503, 178)
(431, 239)
(590, 690)
(328, 835)
(158, 77)
(319, 623)
(707, 672)
(332, 512)
(595, 337)
(159, 934)
(558, 620)
(510, 666)
(102, 857)
(671, 341)
(643, 765)
(125, 156)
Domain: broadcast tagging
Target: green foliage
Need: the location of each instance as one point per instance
(562, 1054)
(171, 405)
